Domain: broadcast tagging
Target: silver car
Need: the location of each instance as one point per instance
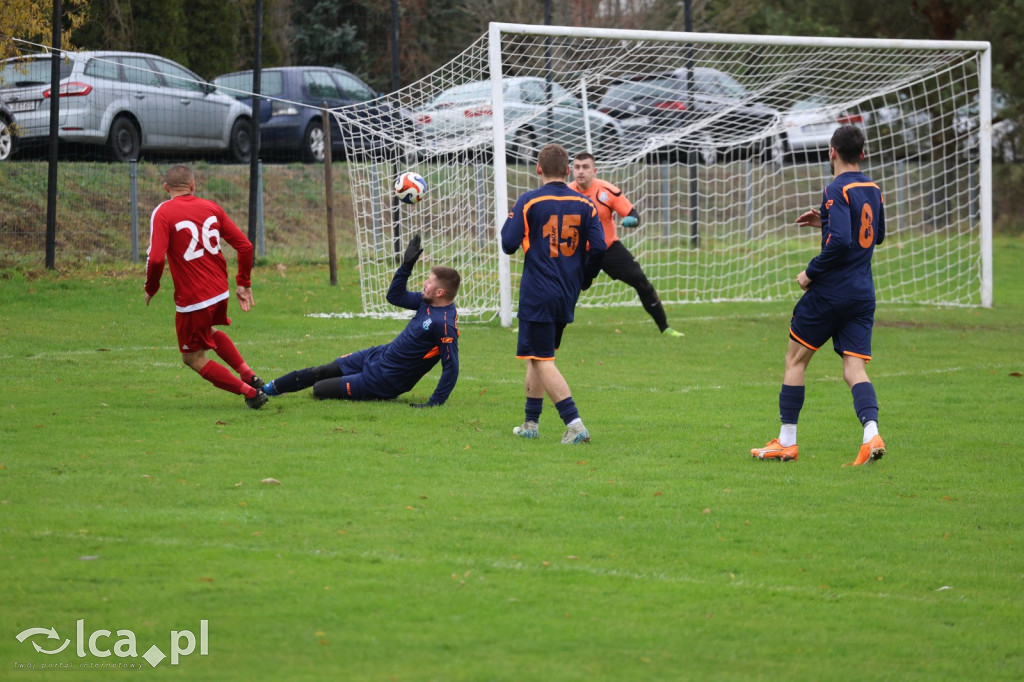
(461, 117)
(127, 101)
(8, 136)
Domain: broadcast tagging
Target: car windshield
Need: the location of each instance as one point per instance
(239, 85)
(20, 73)
(470, 92)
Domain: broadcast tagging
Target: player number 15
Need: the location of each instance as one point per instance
(562, 241)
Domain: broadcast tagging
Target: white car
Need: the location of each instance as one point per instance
(809, 125)
(127, 101)
(461, 118)
(1004, 129)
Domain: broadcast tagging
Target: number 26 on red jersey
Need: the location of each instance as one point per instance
(209, 235)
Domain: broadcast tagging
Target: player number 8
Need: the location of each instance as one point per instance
(867, 229)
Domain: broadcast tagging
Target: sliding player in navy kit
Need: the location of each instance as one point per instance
(387, 371)
(563, 241)
(839, 298)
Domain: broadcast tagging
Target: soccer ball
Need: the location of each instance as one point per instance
(410, 187)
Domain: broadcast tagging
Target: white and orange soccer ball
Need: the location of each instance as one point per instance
(410, 187)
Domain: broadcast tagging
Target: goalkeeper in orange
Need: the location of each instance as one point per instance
(618, 262)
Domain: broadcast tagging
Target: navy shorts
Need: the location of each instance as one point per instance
(539, 340)
(847, 323)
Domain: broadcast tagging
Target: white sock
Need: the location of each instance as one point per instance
(870, 431)
(787, 435)
(575, 422)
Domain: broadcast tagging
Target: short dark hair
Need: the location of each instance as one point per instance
(448, 279)
(848, 141)
(585, 156)
(553, 161)
(179, 176)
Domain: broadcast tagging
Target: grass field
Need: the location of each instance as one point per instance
(432, 545)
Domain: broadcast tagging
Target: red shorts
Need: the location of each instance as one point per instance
(195, 329)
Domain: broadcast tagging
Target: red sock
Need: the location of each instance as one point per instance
(228, 352)
(221, 377)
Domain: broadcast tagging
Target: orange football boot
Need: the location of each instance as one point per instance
(774, 450)
(872, 450)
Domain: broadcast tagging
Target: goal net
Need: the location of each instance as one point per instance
(720, 141)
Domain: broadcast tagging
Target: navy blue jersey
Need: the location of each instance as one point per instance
(431, 335)
(852, 222)
(562, 241)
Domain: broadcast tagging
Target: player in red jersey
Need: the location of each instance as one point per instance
(618, 262)
(187, 231)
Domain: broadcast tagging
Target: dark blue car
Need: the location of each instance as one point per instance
(291, 116)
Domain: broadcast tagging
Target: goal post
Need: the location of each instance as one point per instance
(719, 140)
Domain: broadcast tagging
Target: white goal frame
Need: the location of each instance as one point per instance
(717, 194)
(497, 29)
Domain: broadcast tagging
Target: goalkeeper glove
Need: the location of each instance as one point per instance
(412, 252)
(630, 221)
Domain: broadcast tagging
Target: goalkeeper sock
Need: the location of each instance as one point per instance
(221, 377)
(533, 409)
(567, 410)
(228, 352)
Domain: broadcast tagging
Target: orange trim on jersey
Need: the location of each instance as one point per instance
(801, 341)
(529, 204)
(432, 353)
(533, 357)
(859, 184)
(348, 388)
(865, 358)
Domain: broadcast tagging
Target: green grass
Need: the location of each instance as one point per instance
(432, 545)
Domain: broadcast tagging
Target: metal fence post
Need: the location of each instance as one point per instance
(133, 174)
(261, 242)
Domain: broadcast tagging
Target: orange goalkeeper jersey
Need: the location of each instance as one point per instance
(609, 199)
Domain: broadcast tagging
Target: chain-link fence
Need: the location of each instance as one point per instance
(95, 222)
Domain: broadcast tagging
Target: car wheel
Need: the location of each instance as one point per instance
(240, 144)
(124, 142)
(7, 140)
(521, 146)
(773, 150)
(604, 143)
(704, 148)
(313, 142)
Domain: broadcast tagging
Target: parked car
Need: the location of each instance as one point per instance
(462, 116)
(128, 101)
(656, 110)
(291, 116)
(899, 126)
(8, 137)
(966, 122)
(809, 125)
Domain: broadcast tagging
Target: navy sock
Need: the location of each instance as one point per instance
(791, 401)
(533, 409)
(293, 381)
(865, 402)
(567, 410)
